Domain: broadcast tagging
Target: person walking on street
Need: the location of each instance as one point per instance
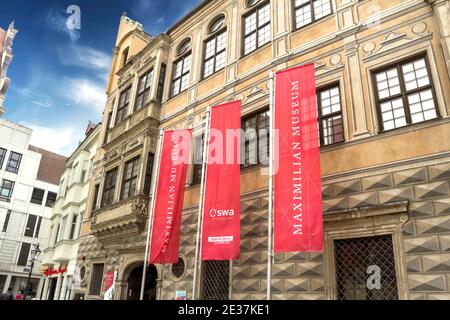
(7, 295)
(19, 296)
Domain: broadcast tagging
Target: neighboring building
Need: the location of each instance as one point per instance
(382, 70)
(6, 41)
(60, 256)
(29, 178)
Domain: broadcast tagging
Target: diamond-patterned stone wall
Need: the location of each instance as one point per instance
(426, 237)
(427, 233)
(300, 275)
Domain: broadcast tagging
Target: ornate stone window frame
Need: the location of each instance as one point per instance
(366, 222)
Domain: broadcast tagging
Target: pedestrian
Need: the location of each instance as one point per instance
(19, 296)
(7, 295)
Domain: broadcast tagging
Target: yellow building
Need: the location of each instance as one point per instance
(383, 76)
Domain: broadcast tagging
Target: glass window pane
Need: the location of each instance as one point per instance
(322, 8)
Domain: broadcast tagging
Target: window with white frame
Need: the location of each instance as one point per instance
(308, 11)
(215, 48)
(144, 90)
(182, 69)
(330, 115)
(404, 93)
(257, 28)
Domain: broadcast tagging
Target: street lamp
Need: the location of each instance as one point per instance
(34, 254)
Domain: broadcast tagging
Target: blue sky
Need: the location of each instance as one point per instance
(59, 76)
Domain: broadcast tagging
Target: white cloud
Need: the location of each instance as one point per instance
(63, 140)
(85, 93)
(37, 99)
(85, 57)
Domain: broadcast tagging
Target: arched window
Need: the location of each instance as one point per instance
(215, 47)
(184, 46)
(251, 3)
(216, 24)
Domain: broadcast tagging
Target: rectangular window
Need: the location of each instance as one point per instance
(162, 77)
(256, 139)
(6, 222)
(330, 115)
(31, 223)
(14, 162)
(148, 174)
(95, 286)
(130, 177)
(124, 103)
(61, 235)
(215, 54)
(73, 227)
(2, 157)
(38, 196)
(23, 255)
(38, 228)
(308, 11)
(6, 189)
(109, 125)
(181, 74)
(405, 94)
(257, 30)
(198, 159)
(109, 188)
(144, 90)
(83, 176)
(58, 229)
(95, 200)
(51, 199)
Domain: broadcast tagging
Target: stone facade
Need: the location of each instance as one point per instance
(378, 183)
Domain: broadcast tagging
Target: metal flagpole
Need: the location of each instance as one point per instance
(270, 213)
(151, 212)
(200, 209)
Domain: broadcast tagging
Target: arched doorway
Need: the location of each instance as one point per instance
(134, 283)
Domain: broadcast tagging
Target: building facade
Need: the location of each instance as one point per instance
(28, 188)
(383, 91)
(60, 256)
(6, 41)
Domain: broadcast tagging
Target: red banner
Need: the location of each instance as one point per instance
(298, 223)
(221, 215)
(169, 197)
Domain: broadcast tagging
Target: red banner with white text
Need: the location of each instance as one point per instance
(221, 214)
(298, 225)
(165, 240)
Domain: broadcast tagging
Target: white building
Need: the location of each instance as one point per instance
(60, 257)
(29, 179)
(6, 40)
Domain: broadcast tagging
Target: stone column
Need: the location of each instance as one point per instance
(63, 290)
(58, 287)
(68, 227)
(441, 9)
(45, 290)
(7, 283)
(39, 288)
(120, 290)
(354, 84)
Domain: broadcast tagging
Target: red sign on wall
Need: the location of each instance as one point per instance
(50, 271)
(169, 197)
(221, 217)
(298, 223)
